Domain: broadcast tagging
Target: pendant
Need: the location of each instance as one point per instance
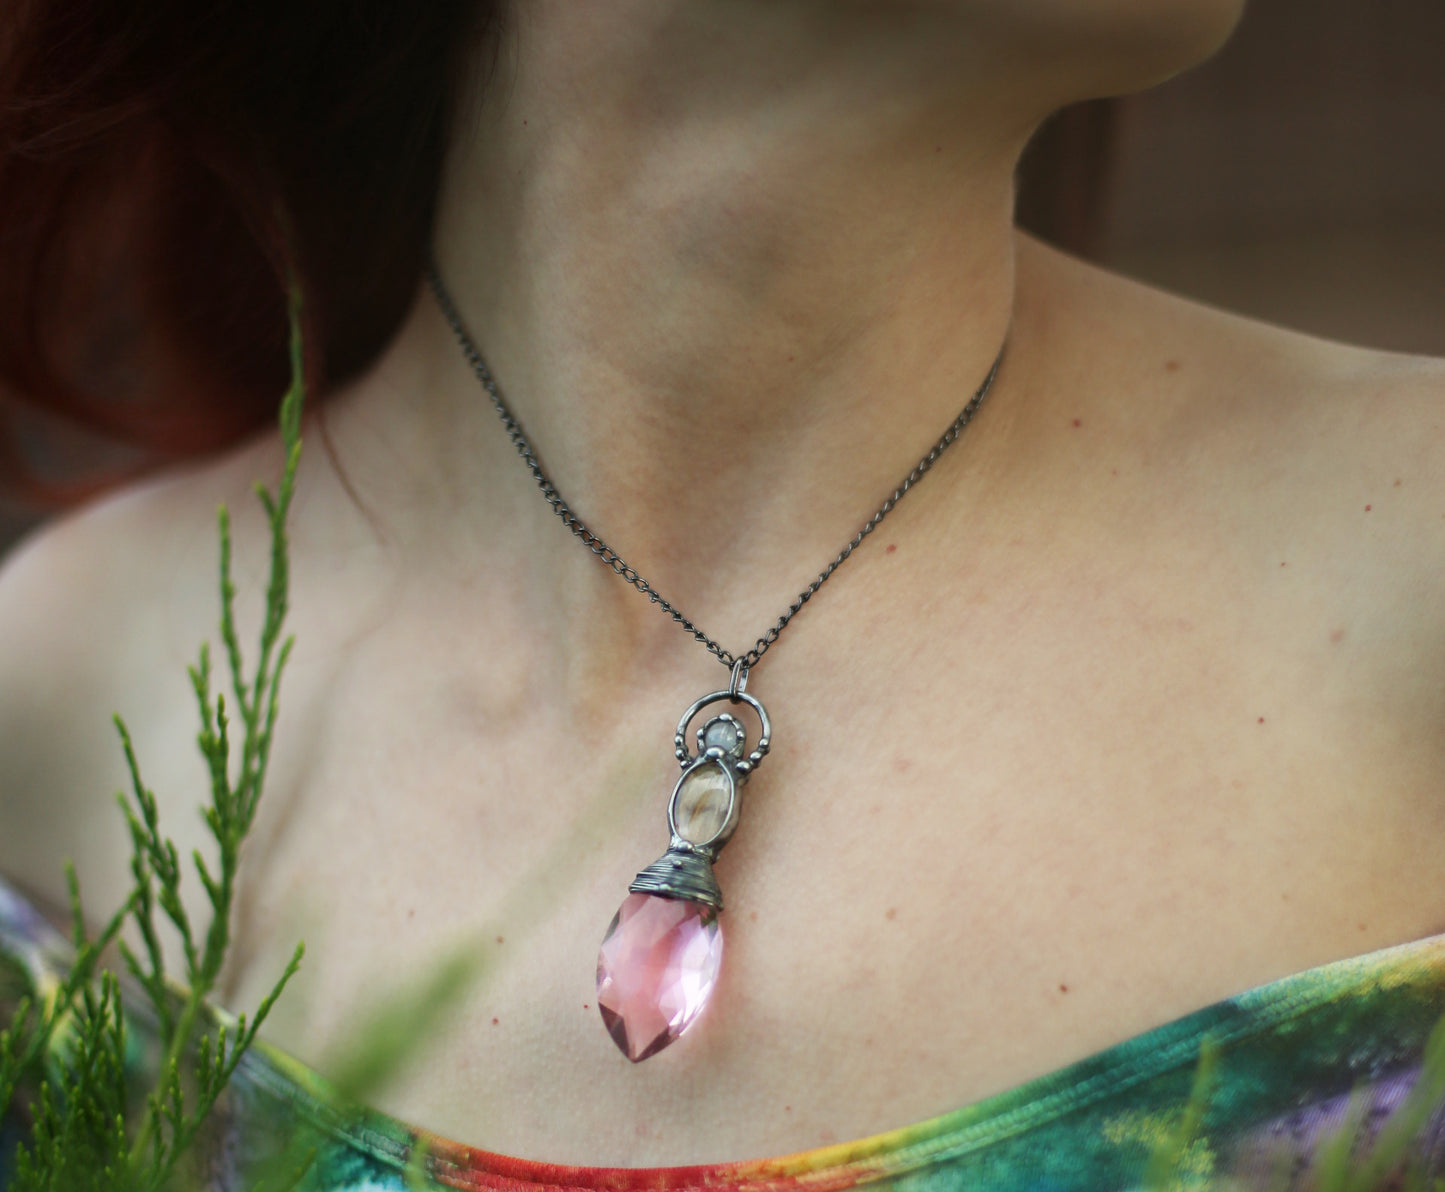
(661, 956)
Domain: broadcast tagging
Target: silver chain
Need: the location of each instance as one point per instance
(739, 664)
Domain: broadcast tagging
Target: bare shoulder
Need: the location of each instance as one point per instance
(1312, 419)
(1317, 463)
(101, 611)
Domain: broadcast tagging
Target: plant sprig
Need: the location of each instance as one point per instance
(26, 1038)
(85, 1130)
(1343, 1159)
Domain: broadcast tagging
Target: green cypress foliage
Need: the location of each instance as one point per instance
(90, 1132)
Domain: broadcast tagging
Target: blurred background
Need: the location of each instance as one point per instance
(1298, 177)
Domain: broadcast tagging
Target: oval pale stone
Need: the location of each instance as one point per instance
(656, 970)
(701, 807)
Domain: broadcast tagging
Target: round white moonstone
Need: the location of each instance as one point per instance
(722, 734)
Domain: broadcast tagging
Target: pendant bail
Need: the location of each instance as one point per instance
(739, 682)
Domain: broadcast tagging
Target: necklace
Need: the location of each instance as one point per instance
(661, 956)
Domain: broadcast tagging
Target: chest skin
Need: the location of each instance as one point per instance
(1132, 710)
(1090, 783)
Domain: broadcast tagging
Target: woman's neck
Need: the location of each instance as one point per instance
(734, 267)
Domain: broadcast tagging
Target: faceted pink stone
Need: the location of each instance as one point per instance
(657, 967)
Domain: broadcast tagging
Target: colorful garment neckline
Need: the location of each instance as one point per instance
(1173, 1045)
(1360, 1018)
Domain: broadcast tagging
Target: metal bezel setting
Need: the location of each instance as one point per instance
(685, 870)
(743, 766)
(719, 838)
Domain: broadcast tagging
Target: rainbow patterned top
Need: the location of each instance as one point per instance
(1288, 1060)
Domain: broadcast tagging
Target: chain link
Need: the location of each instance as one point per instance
(615, 561)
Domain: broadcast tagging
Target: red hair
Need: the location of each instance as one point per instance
(151, 155)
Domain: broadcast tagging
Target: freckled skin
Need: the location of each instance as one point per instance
(1057, 732)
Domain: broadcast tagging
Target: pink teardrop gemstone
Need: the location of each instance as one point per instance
(657, 967)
